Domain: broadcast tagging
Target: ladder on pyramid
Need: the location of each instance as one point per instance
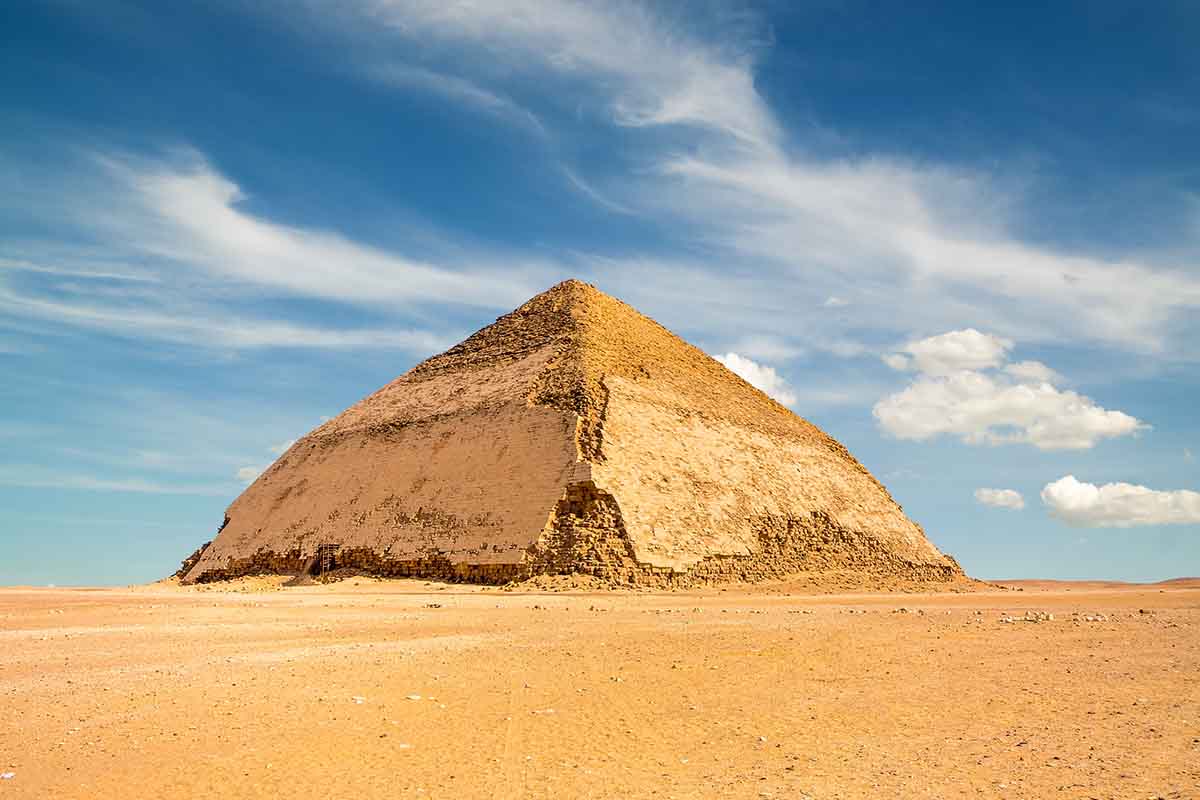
(319, 563)
(326, 557)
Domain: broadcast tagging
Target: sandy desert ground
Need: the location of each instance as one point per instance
(406, 689)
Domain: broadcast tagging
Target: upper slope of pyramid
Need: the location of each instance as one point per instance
(556, 350)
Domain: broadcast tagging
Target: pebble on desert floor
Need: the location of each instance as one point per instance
(1029, 616)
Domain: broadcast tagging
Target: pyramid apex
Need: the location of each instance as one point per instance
(572, 287)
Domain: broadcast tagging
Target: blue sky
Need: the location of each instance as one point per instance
(965, 241)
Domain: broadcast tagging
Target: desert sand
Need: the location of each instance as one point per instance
(411, 689)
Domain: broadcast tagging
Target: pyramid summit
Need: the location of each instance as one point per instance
(573, 435)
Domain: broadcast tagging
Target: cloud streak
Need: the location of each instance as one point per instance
(907, 244)
(459, 90)
(1000, 498)
(188, 328)
(90, 483)
(182, 210)
(648, 70)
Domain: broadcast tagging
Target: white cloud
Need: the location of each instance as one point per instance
(101, 273)
(650, 71)
(182, 210)
(965, 389)
(1034, 371)
(1187, 456)
(39, 478)
(917, 244)
(201, 256)
(458, 89)
(767, 347)
(1000, 498)
(194, 327)
(1119, 505)
(986, 409)
(759, 376)
(593, 194)
(957, 350)
(912, 241)
(912, 244)
(248, 474)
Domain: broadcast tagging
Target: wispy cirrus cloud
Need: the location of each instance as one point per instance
(40, 478)
(907, 244)
(875, 245)
(193, 328)
(196, 249)
(889, 235)
(647, 69)
(457, 89)
(98, 273)
(182, 210)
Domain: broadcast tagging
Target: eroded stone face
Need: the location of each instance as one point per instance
(473, 488)
(573, 435)
(691, 488)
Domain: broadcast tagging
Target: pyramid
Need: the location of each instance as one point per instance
(574, 435)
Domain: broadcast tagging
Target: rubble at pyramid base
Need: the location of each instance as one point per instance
(586, 540)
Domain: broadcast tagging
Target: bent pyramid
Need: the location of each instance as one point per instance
(573, 435)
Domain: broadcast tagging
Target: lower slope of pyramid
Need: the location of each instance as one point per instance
(573, 435)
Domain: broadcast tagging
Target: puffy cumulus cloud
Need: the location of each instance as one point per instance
(966, 390)
(1000, 498)
(1119, 505)
(989, 409)
(760, 376)
(952, 352)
